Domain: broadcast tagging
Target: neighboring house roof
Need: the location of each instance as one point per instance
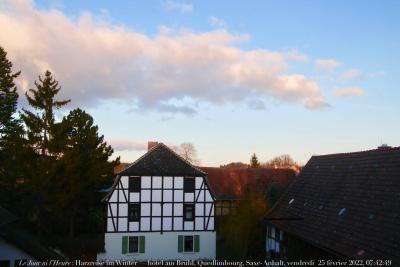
(161, 160)
(12, 233)
(229, 183)
(120, 167)
(348, 204)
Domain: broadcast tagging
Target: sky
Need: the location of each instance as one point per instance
(232, 77)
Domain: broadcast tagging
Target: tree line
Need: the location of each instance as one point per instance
(282, 161)
(51, 170)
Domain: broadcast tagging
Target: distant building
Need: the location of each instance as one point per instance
(18, 246)
(160, 207)
(229, 185)
(341, 206)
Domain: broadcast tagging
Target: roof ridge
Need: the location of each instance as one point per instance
(250, 169)
(138, 159)
(161, 144)
(186, 161)
(376, 150)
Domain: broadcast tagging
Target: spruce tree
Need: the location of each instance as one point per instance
(254, 163)
(11, 134)
(8, 99)
(41, 126)
(83, 169)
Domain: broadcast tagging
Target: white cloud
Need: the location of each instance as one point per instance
(171, 5)
(376, 74)
(351, 74)
(127, 145)
(326, 64)
(348, 91)
(294, 55)
(217, 22)
(95, 60)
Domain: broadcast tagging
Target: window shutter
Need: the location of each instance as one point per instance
(124, 244)
(180, 243)
(141, 244)
(196, 243)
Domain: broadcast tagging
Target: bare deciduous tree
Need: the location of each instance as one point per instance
(281, 161)
(188, 152)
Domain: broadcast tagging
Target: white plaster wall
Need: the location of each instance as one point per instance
(159, 247)
(125, 182)
(12, 253)
(167, 182)
(146, 182)
(178, 182)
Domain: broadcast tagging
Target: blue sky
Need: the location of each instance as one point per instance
(231, 77)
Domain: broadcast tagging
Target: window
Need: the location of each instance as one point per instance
(134, 184)
(188, 212)
(134, 212)
(218, 208)
(225, 207)
(189, 243)
(342, 212)
(133, 245)
(188, 184)
(275, 242)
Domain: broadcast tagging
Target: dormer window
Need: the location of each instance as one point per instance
(134, 184)
(188, 185)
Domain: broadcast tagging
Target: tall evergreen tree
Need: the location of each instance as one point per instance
(11, 132)
(41, 126)
(8, 99)
(83, 169)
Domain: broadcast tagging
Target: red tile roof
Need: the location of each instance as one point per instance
(120, 167)
(231, 183)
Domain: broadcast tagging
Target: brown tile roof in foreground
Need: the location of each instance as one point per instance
(231, 183)
(350, 204)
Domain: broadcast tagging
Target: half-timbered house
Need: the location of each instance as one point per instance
(160, 207)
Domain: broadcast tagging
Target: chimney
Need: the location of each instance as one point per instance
(151, 144)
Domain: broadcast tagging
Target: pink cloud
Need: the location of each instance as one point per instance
(95, 61)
